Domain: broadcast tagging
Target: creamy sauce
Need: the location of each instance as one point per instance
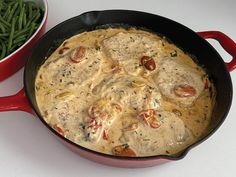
(124, 92)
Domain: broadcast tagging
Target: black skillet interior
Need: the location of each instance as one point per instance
(182, 36)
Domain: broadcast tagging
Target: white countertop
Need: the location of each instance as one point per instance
(27, 149)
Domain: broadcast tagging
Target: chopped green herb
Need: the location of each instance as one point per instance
(146, 139)
(37, 88)
(173, 54)
(125, 145)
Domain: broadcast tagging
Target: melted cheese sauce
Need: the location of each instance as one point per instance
(95, 91)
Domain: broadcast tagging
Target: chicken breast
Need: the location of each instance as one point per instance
(171, 133)
(127, 49)
(179, 82)
(131, 92)
(90, 62)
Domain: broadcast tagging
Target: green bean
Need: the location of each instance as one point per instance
(20, 39)
(21, 18)
(3, 53)
(11, 35)
(35, 16)
(4, 34)
(7, 12)
(2, 28)
(21, 32)
(12, 12)
(36, 26)
(31, 30)
(4, 22)
(24, 20)
(20, 3)
(30, 10)
(1, 5)
(4, 38)
(14, 46)
(17, 12)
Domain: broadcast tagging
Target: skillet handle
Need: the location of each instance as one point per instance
(17, 102)
(228, 44)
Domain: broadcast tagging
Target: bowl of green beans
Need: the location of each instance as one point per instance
(22, 23)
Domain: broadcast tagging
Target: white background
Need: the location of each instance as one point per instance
(27, 149)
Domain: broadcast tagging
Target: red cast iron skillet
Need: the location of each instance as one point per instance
(188, 40)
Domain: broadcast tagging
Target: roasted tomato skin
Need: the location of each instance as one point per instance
(123, 150)
(150, 117)
(59, 130)
(148, 63)
(78, 54)
(184, 91)
(105, 135)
